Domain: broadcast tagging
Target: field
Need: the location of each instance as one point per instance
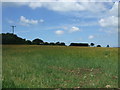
(30, 66)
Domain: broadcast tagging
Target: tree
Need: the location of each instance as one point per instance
(38, 41)
(29, 42)
(8, 38)
(98, 45)
(46, 43)
(80, 44)
(92, 44)
(58, 43)
(63, 44)
(108, 46)
(52, 43)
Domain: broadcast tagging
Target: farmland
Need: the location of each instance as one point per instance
(35, 66)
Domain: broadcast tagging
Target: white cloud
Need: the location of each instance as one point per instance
(58, 6)
(110, 21)
(59, 32)
(65, 6)
(61, 6)
(25, 21)
(27, 0)
(58, 0)
(35, 5)
(91, 37)
(74, 29)
(77, 6)
(114, 9)
(41, 20)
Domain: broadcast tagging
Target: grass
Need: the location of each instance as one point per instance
(26, 66)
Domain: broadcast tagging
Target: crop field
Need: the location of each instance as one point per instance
(35, 66)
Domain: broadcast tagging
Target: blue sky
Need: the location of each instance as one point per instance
(63, 21)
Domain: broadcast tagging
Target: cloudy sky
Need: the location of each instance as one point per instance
(63, 21)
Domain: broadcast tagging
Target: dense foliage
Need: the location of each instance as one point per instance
(9, 38)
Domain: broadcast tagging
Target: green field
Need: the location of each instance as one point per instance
(30, 66)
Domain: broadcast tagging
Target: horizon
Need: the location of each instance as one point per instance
(71, 22)
(89, 44)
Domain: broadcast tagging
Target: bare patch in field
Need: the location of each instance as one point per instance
(78, 71)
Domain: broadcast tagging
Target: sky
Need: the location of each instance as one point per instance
(77, 22)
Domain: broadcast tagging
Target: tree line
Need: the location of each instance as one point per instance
(10, 38)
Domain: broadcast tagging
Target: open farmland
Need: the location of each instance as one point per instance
(35, 66)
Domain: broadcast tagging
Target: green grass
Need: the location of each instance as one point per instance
(59, 67)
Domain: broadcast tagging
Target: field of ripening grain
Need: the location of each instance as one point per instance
(35, 66)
